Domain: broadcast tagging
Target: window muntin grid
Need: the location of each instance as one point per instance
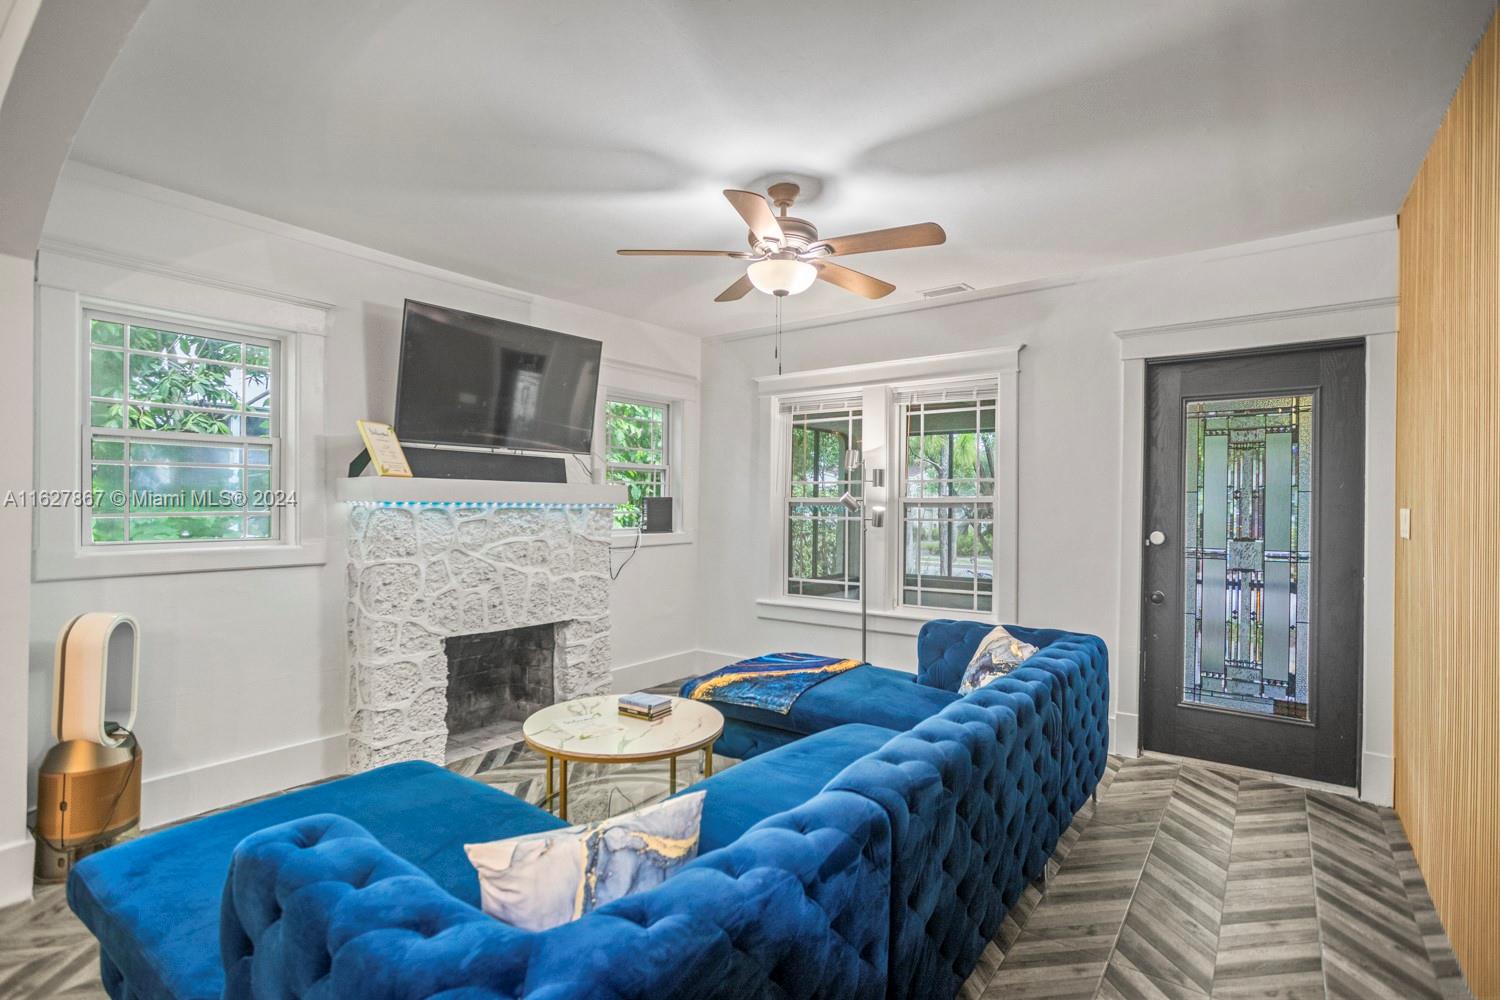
(180, 434)
(822, 538)
(636, 453)
(947, 502)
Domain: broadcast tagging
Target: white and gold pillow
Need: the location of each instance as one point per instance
(998, 654)
(541, 880)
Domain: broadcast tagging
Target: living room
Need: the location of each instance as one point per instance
(1017, 517)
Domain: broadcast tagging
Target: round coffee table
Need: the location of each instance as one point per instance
(593, 730)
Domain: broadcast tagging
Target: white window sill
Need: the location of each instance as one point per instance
(97, 563)
(625, 540)
(845, 614)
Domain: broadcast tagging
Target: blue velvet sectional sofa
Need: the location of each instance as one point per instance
(858, 861)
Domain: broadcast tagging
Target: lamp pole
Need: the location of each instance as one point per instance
(868, 518)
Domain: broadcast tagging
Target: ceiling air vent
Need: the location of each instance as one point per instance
(941, 290)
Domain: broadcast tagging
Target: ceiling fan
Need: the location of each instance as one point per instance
(786, 256)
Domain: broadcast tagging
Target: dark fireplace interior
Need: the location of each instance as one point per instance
(498, 677)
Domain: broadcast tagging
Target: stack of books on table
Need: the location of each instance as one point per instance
(645, 706)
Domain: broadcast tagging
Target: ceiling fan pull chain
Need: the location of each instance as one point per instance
(778, 334)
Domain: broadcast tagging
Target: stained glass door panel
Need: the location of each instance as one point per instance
(1247, 563)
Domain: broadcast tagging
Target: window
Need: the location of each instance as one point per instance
(822, 557)
(948, 499)
(636, 454)
(182, 428)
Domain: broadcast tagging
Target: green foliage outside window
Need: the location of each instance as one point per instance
(635, 454)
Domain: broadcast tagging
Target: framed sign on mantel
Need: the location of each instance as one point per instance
(384, 449)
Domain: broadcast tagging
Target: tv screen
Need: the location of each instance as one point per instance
(474, 380)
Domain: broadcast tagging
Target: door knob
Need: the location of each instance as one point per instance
(1156, 538)
(1157, 597)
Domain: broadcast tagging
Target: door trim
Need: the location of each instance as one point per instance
(1375, 322)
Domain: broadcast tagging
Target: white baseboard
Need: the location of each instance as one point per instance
(1377, 778)
(17, 862)
(1125, 734)
(674, 666)
(166, 798)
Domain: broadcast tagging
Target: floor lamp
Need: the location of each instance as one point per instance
(869, 517)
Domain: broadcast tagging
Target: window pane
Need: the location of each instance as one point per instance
(185, 527)
(107, 529)
(258, 526)
(635, 433)
(107, 374)
(257, 427)
(108, 484)
(105, 332)
(950, 449)
(183, 345)
(164, 418)
(822, 551)
(257, 391)
(1247, 501)
(173, 488)
(257, 355)
(948, 555)
(257, 455)
(187, 454)
(819, 443)
(107, 450)
(106, 415)
(258, 488)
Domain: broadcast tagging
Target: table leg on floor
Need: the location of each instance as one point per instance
(708, 761)
(562, 797)
(547, 802)
(672, 775)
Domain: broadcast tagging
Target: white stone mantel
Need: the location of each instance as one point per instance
(394, 489)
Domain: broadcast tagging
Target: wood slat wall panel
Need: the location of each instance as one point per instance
(1448, 473)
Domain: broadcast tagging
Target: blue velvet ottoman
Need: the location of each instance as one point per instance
(153, 902)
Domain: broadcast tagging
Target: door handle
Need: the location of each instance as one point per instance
(1157, 597)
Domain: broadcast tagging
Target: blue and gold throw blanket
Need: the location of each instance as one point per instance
(774, 681)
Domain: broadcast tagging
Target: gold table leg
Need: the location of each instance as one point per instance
(547, 802)
(708, 761)
(562, 798)
(672, 775)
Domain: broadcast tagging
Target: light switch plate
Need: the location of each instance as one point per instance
(1406, 522)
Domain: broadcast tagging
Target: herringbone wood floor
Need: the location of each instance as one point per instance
(1185, 881)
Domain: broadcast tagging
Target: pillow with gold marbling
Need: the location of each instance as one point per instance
(998, 654)
(541, 880)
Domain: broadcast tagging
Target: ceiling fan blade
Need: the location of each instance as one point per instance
(681, 253)
(853, 281)
(923, 234)
(756, 212)
(738, 290)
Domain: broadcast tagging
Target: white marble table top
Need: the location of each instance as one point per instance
(593, 729)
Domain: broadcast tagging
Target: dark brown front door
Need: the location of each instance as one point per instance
(1254, 562)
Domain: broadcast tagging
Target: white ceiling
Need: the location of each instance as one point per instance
(524, 141)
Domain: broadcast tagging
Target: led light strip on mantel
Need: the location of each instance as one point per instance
(487, 504)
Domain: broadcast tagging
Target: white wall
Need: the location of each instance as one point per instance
(1070, 418)
(243, 676)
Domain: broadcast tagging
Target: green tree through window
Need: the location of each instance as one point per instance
(636, 454)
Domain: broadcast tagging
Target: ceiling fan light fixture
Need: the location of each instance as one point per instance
(782, 275)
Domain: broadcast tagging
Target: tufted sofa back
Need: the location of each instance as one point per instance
(1074, 665)
(963, 793)
(796, 908)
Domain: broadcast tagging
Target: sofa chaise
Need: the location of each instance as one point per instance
(1071, 667)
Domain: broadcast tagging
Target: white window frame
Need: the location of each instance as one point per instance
(679, 392)
(276, 413)
(902, 504)
(71, 286)
(839, 403)
(667, 441)
(879, 382)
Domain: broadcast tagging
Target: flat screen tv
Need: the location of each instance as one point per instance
(478, 381)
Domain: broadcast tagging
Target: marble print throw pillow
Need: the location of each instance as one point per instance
(998, 654)
(541, 880)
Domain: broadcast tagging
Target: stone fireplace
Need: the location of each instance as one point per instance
(465, 611)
